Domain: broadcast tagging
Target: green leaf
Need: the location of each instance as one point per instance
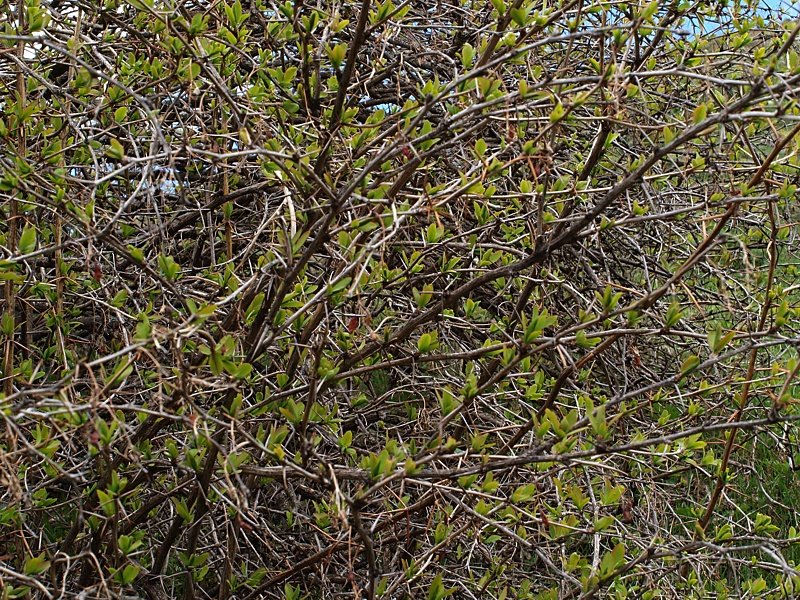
(346, 439)
(724, 532)
(782, 314)
(716, 341)
(137, 254)
(119, 299)
(339, 286)
(447, 402)
(129, 574)
(690, 364)
(36, 564)
(205, 311)
(603, 523)
(763, 525)
(384, 10)
(7, 324)
(585, 341)
(107, 503)
(8, 273)
(673, 315)
(128, 544)
(428, 342)
(612, 560)
(120, 114)
(520, 15)
(27, 240)
(609, 299)
(757, 586)
(215, 362)
(524, 493)
(597, 419)
(291, 592)
(183, 510)
(467, 55)
(327, 368)
(699, 113)
(243, 371)
(434, 233)
(123, 370)
(558, 113)
(143, 329)
(437, 590)
(168, 267)
(650, 10)
(115, 150)
(337, 54)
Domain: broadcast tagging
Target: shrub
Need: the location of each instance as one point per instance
(484, 299)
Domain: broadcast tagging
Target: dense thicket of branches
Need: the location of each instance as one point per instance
(398, 300)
